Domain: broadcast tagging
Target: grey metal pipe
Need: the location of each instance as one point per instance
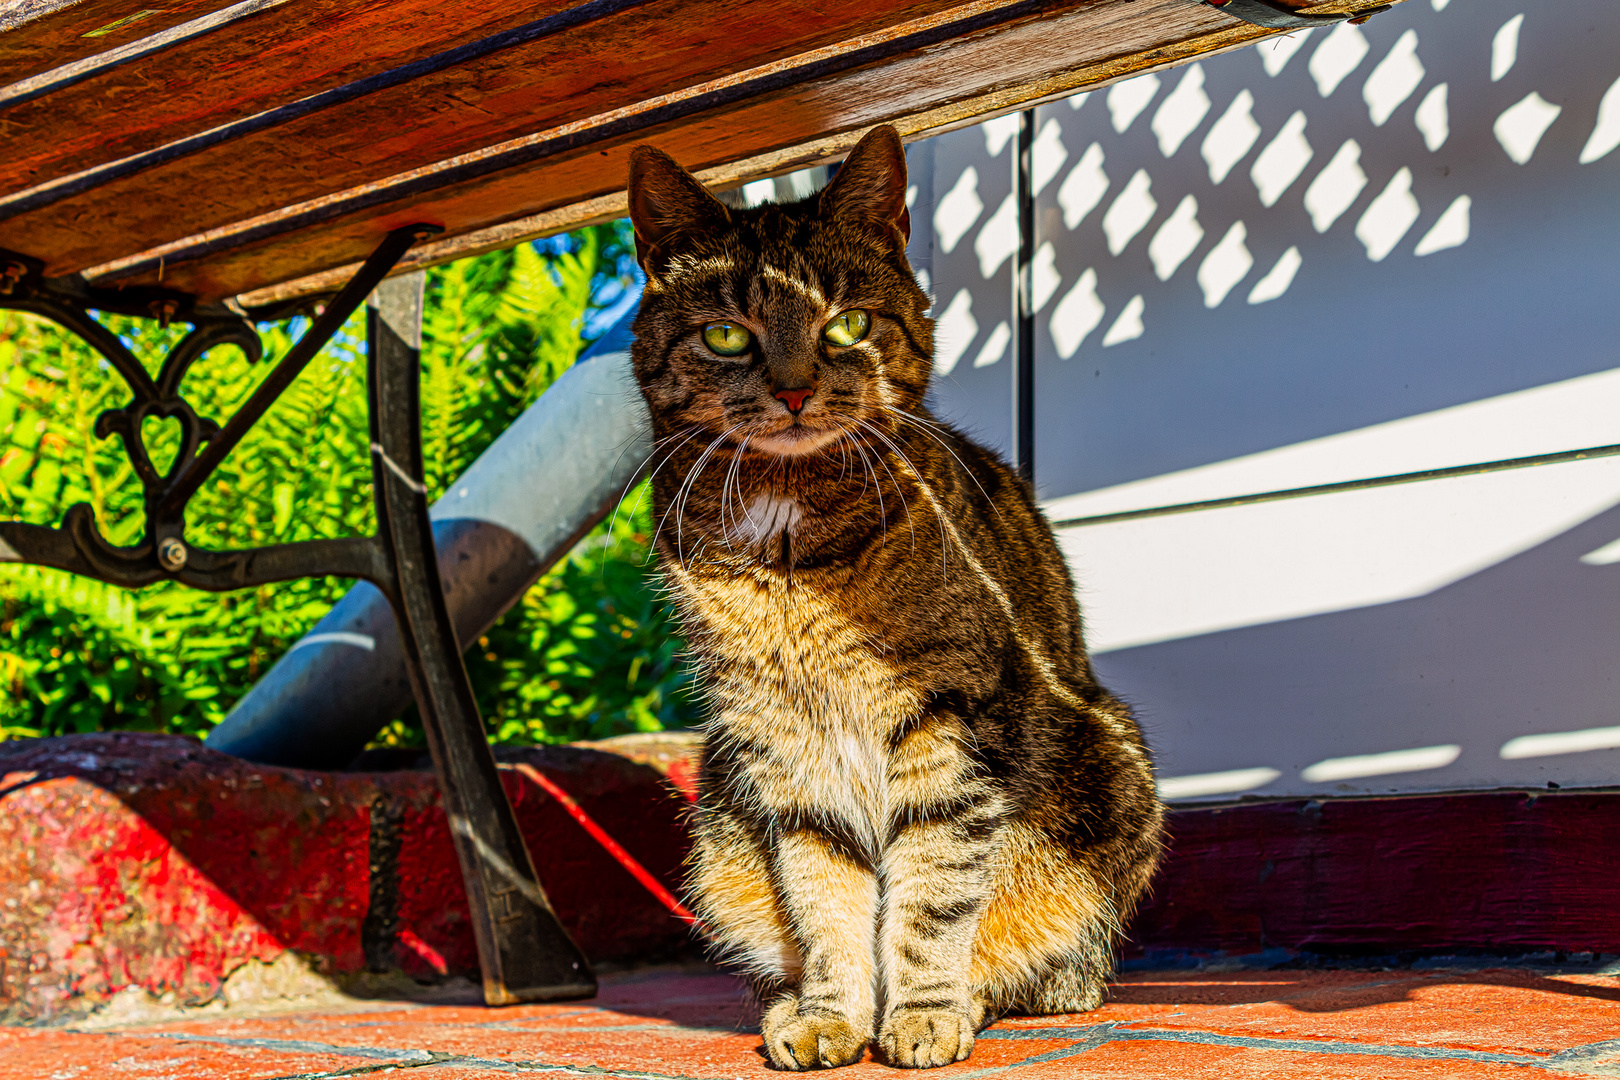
(540, 487)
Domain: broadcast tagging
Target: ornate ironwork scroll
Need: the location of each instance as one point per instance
(162, 552)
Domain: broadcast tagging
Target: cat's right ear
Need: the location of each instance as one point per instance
(667, 202)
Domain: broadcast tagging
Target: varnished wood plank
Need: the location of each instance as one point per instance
(58, 35)
(259, 63)
(1084, 43)
(565, 78)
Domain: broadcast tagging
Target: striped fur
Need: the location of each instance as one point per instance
(918, 809)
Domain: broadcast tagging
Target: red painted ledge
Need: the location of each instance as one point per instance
(152, 861)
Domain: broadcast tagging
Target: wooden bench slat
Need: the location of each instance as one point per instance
(56, 36)
(257, 63)
(504, 144)
(564, 78)
(921, 90)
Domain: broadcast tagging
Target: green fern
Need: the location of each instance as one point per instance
(587, 652)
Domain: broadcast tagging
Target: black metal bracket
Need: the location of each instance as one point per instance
(524, 952)
(162, 552)
(1278, 16)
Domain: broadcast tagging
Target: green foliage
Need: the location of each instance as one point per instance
(588, 652)
(497, 330)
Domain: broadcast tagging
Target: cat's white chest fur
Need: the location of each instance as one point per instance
(766, 517)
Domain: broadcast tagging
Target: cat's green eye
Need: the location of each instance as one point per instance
(847, 328)
(726, 339)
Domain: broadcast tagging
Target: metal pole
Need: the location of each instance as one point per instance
(1023, 302)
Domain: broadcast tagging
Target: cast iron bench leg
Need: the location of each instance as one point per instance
(525, 953)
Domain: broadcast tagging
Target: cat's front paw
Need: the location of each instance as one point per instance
(925, 1038)
(799, 1042)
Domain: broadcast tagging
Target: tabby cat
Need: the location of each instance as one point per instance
(918, 810)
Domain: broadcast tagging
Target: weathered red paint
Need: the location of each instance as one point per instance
(143, 860)
(607, 843)
(151, 861)
(606, 910)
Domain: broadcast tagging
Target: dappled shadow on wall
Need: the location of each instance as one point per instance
(1261, 200)
(1327, 178)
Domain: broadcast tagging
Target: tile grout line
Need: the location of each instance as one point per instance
(412, 1058)
(300, 1046)
(1090, 1043)
(1094, 1038)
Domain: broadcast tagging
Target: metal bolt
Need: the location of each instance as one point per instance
(163, 311)
(172, 554)
(10, 274)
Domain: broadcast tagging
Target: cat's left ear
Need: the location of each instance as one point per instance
(870, 188)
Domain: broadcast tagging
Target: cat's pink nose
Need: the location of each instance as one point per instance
(794, 399)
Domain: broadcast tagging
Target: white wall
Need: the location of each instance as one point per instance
(1293, 265)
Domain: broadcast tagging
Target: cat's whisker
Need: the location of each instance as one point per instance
(899, 490)
(849, 440)
(929, 428)
(877, 483)
(680, 491)
(944, 546)
(657, 445)
(858, 447)
(679, 508)
(728, 516)
(691, 433)
(635, 477)
(733, 476)
(686, 490)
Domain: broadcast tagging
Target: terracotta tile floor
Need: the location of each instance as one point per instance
(696, 1025)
